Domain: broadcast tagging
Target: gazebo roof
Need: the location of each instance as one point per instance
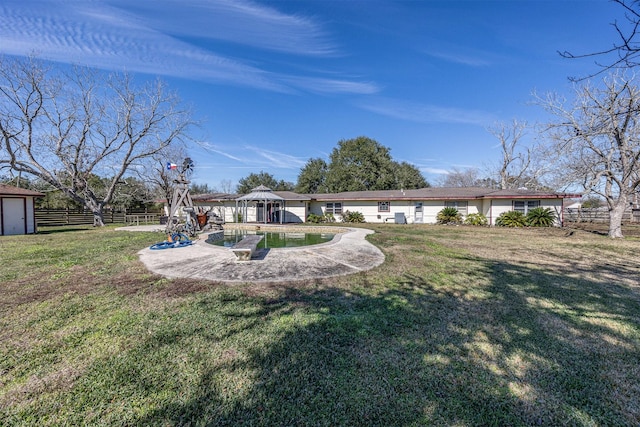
(261, 193)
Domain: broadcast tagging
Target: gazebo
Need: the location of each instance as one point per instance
(269, 206)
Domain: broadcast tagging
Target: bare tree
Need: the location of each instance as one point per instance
(68, 129)
(514, 164)
(622, 54)
(469, 177)
(595, 141)
(226, 186)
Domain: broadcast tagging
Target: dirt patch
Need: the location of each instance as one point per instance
(628, 230)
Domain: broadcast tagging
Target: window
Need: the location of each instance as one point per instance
(525, 206)
(461, 206)
(334, 208)
(384, 206)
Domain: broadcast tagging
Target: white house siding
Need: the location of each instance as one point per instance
(295, 211)
(432, 207)
(430, 211)
(369, 209)
(498, 206)
(486, 209)
(475, 206)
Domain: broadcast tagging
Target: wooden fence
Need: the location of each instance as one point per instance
(60, 217)
(599, 215)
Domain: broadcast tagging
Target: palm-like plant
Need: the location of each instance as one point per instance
(511, 219)
(541, 217)
(449, 215)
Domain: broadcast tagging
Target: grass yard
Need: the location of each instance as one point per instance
(460, 326)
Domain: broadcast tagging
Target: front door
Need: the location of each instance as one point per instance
(13, 216)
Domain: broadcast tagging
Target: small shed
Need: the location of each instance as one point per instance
(268, 207)
(17, 210)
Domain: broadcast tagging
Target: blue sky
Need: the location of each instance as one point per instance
(277, 83)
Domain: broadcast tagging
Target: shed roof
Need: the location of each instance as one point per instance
(10, 190)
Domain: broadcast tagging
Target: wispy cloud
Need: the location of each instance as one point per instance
(425, 113)
(322, 85)
(276, 159)
(436, 171)
(237, 21)
(211, 148)
(461, 58)
(164, 37)
(460, 54)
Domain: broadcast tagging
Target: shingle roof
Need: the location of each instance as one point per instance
(10, 190)
(290, 195)
(439, 193)
(431, 193)
(214, 197)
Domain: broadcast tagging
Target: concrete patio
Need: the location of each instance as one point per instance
(347, 253)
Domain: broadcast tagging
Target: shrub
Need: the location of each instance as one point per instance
(355, 216)
(313, 218)
(449, 215)
(476, 219)
(316, 219)
(511, 219)
(541, 217)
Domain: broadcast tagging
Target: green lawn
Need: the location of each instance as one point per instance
(460, 326)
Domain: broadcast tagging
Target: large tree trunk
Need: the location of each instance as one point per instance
(96, 209)
(615, 219)
(98, 218)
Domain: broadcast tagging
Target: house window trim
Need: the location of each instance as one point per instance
(526, 205)
(387, 203)
(461, 206)
(334, 210)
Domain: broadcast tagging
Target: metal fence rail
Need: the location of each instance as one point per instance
(142, 218)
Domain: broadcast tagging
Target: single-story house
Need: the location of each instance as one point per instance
(17, 213)
(422, 205)
(410, 206)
